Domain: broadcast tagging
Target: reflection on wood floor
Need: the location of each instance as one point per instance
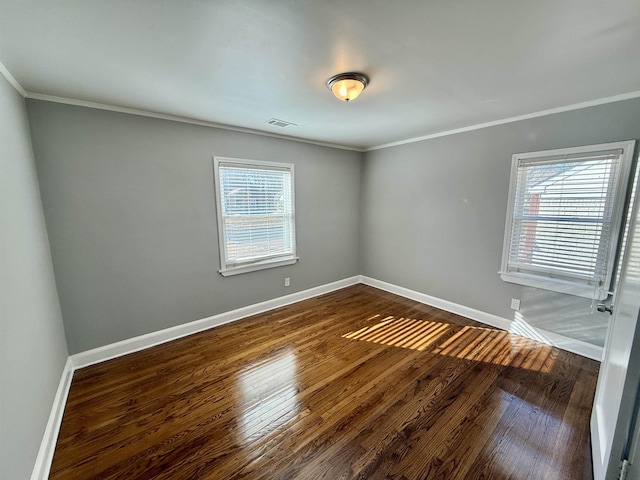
(358, 383)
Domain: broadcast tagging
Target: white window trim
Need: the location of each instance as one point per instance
(228, 270)
(562, 285)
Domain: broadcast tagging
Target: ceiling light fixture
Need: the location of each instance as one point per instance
(347, 86)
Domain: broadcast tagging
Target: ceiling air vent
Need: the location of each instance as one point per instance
(280, 123)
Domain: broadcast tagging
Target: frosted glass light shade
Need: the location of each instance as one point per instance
(347, 86)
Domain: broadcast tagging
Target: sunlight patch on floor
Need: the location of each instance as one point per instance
(499, 347)
(401, 332)
(481, 344)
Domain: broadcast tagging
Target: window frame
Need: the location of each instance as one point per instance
(560, 285)
(228, 269)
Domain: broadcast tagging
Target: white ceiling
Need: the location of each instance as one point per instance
(434, 65)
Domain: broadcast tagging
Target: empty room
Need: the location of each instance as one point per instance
(332, 240)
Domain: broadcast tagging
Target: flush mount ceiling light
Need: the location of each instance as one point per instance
(347, 86)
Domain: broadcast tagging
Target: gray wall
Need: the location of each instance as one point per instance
(129, 205)
(433, 214)
(32, 344)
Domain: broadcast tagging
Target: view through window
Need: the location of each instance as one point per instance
(564, 218)
(255, 214)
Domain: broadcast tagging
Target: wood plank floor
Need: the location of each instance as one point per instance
(358, 383)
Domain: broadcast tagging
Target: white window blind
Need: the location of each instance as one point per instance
(255, 214)
(564, 218)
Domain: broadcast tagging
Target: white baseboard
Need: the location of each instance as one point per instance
(50, 437)
(569, 344)
(124, 347)
(114, 350)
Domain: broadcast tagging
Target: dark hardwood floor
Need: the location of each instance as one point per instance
(358, 383)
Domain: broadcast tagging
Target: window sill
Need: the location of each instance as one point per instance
(554, 285)
(252, 267)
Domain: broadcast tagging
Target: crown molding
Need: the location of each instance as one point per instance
(542, 113)
(176, 118)
(14, 83)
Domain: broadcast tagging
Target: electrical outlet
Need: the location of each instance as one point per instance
(287, 281)
(515, 304)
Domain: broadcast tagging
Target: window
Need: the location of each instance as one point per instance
(564, 217)
(256, 224)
